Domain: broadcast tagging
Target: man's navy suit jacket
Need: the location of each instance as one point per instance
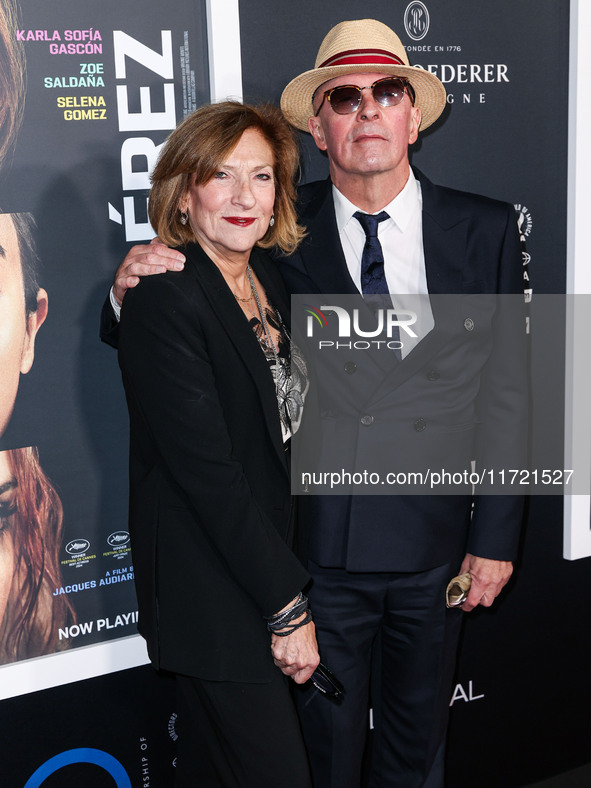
(471, 246)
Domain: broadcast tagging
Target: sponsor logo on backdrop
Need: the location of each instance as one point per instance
(465, 693)
(77, 550)
(416, 20)
(77, 546)
(470, 76)
(118, 541)
(524, 221)
(524, 225)
(99, 758)
(172, 726)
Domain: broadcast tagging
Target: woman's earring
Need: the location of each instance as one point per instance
(184, 217)
(272, 222)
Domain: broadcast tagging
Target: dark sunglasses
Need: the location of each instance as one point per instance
(327, 683)
(387, 92)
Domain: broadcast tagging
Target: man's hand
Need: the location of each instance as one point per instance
(152, 258)
(297, 654)
(488, 579)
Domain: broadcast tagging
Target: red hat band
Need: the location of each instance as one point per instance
(359, 57)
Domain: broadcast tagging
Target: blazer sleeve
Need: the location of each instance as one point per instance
(503, 409)
(175, 410)
(109, 325)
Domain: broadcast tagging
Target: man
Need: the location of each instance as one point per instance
(380, 564)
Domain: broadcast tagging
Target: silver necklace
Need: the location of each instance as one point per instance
(270, 343)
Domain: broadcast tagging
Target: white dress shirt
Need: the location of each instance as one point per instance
(401, 238)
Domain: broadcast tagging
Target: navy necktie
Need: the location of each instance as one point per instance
(373, 278)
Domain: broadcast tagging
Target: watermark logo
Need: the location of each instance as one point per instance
(388, 324)
(416, 20)
(317, 314)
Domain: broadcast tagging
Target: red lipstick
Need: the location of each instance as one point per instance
(240, 221)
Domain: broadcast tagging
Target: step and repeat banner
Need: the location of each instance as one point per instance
(88, 93)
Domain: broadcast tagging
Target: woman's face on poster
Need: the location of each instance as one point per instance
(7, 511)
(17, 329)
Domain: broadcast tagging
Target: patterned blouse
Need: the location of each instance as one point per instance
(290, 376)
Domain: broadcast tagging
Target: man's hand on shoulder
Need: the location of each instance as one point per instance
(488, 579)
(152, 258)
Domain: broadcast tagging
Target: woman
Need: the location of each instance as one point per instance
(213, 398)
(30, 536)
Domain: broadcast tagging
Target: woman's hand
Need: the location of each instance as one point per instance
(297, 654)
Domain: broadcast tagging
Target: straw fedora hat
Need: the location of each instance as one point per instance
(361, 46)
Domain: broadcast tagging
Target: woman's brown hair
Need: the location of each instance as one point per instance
(196, 150)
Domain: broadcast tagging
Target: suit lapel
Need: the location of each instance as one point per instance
(444, 240)
(232, 320)
(321, 252)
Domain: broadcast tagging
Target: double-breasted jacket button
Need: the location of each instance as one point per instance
(367, 420)
(433, 375)
(420, 425)
(469, 324)
(350, 367)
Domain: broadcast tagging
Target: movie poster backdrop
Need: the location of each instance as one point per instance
(101, 86)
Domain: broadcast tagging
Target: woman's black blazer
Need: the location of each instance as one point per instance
(210, 507)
